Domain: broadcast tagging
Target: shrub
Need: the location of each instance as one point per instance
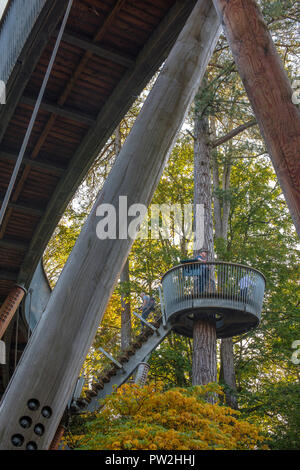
(149, 418)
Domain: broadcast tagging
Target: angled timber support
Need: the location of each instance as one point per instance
(44, 380)
(269, 92)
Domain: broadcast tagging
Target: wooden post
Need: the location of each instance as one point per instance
(9, 307)
(46, 375)
(269, 92)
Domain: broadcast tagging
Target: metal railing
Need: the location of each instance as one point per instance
(213, 284)
(14, 31)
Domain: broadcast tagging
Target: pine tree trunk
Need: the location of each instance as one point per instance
(202, 179)
(227, 372)
(204, 332)
(204, 353)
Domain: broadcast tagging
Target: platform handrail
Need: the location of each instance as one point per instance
(217, 287)
(215, 263)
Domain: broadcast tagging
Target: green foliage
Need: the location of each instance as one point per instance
(171, 362)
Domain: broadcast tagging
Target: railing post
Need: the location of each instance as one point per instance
(162, 308)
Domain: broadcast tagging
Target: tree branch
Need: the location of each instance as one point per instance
(191, 134)
(233, 133)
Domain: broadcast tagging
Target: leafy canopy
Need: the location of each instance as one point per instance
(149, 418)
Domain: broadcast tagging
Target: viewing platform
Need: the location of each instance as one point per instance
(230, 294)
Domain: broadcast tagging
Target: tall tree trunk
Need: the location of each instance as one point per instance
(216, 198)
(202, 178)
(227, 369)
(227, 372)
(204, 352)
(124, 278)
(204, 331)
(269, 91)
(226, 195)
(54, 356)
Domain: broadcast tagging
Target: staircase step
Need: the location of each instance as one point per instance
(98, 385)
(123, 359)
(114, 377)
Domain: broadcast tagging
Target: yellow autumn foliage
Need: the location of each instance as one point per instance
(149, 418)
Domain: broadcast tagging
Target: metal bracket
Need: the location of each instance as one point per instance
(2, 353)
(146, 323)
(111, 358)
(77, 391)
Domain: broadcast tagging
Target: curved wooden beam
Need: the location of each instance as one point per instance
(269, 92)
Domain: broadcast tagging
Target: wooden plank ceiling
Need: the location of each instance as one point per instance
(109, 51)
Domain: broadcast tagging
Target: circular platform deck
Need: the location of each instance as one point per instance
(230, 294)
